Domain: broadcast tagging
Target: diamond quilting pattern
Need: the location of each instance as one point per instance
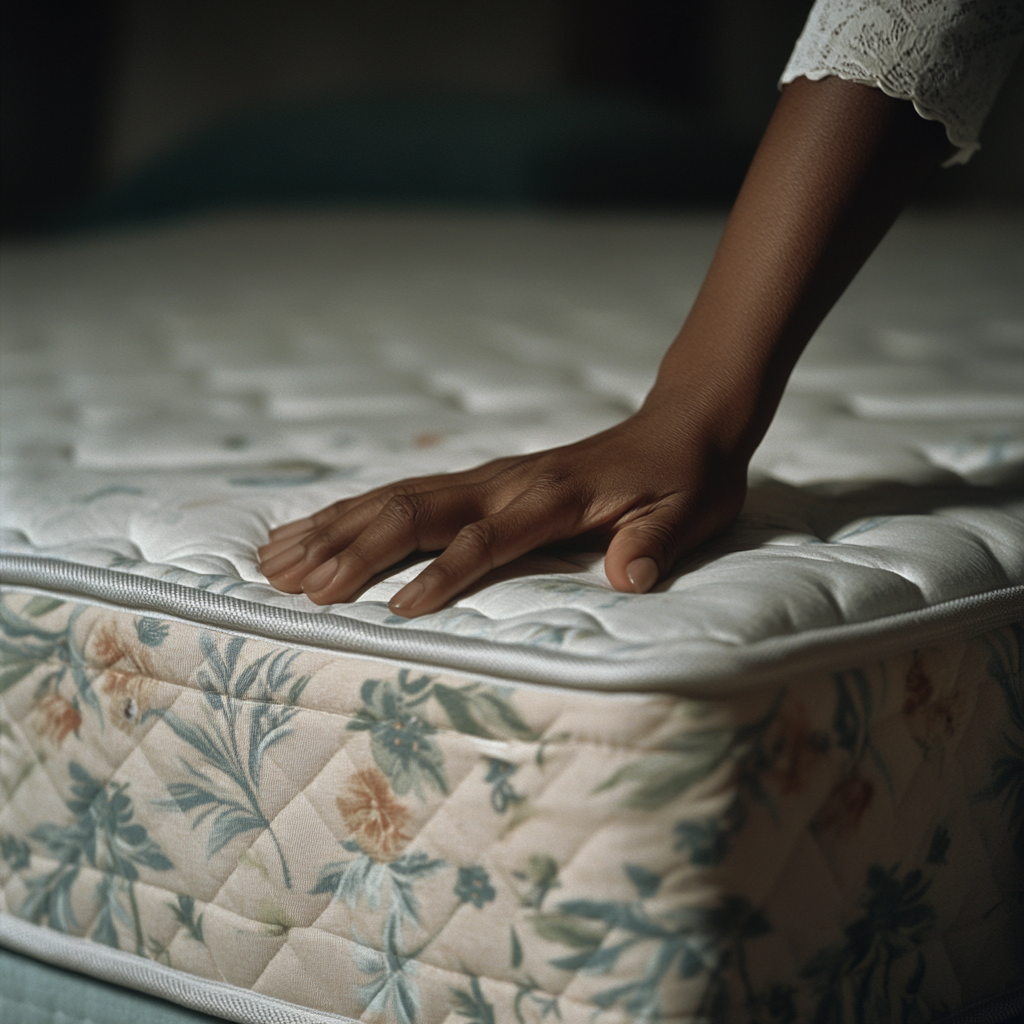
(404, 845)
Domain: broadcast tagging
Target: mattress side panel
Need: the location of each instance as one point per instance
(362, 839)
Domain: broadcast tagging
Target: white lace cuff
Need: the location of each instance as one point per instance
(949, 57)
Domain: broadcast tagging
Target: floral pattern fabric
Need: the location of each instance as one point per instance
(398, 844)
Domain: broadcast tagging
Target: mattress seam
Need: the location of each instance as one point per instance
(758, 663)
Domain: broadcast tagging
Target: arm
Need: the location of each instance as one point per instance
(836, 165)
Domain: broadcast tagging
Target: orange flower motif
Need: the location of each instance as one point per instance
(918, 689)
(795, 750)
(375, 818)
(107, 648)
(128, 698)
(57, 717)
(845, 806)
(930, 721)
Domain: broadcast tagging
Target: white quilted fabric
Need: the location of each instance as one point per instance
(169, 395)
(948, 56)
(225, 811)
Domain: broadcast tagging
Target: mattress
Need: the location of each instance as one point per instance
(785, 785)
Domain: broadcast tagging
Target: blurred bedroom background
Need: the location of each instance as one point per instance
(129, 110)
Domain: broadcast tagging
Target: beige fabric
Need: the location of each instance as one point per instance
(367, 839)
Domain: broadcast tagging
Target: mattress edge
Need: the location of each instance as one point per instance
(218, 998)
(695, 670)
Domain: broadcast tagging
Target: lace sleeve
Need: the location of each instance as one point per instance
(949, 57)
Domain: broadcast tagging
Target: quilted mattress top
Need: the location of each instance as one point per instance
(170, 393)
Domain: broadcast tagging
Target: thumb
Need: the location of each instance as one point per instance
(644, 550)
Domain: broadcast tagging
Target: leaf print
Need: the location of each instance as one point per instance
(474, 886)
(707, 840)
(567, 931)
(151, 632)
(660, 778)
(647, 882)
(1006, 784)
(25, 645)
(755, 752)
(184, 911)
(242, 721)
(364, 878)
(939, 846)
(516, 949)
(691, 757)
(402, 743)
(392, 992)
(39, 606)
(103, 836)
(542, 874)
(15, 666)
(16, 852)
(480, 711)
(472, 1005)
(502, 794)
(17, 762)
(851, 720)
(543, 1003)
(683, 942)
(853, 978)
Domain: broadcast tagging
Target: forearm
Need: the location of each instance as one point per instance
(837, 164)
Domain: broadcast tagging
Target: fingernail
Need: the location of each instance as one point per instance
(282, 562)
(319, 577)
(407, 598)
(291, 529)
(643, 574)
(273, 547)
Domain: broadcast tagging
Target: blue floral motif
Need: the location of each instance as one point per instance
(103, 836)
(151, 632)
(403, 743)
(684, 941)
(853, 978)
(498, 777)
(248, 710)
(474, 886)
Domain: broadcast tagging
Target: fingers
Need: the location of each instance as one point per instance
(481, 546)
(330, 564)
(412, 485)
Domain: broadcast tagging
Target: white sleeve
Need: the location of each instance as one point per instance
(949, 57)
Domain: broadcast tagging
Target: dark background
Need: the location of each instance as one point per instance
(122, 100)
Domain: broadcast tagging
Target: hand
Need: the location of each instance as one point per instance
(837, 164)
(644, 484)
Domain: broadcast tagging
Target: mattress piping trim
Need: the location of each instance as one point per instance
(218, 998)
(685, 668)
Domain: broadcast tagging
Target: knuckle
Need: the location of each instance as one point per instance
(478, 538)
(662, 538)
(321, 544)
(403, 510)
